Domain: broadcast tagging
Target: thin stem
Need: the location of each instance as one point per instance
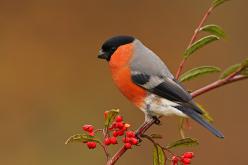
(181, 124)
(103, 145)
(180, 68)
(217, 84)
(105, 150)
(99, 130)
(193, 38)
(155, 143)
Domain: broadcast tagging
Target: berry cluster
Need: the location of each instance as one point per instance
(90, 130)
(120, 128)
(185, 159)
(116, 129)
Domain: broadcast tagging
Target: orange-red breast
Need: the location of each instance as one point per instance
(146, 81)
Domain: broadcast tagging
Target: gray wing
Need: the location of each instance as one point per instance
(162, 86)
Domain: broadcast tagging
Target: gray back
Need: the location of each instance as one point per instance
(146, 61)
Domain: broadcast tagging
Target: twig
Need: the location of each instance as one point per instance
(155, 143)
(156, 146)
(181, 124)
(217, 84)
(105, 148)
(193, 38)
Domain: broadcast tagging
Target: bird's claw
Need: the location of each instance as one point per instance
(157, 121)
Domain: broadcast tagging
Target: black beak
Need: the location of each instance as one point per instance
(102, 54)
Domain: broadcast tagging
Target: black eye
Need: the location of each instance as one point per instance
(113, 48)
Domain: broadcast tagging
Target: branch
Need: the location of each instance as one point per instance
(193, 38)
(217, 84)
(104, 147)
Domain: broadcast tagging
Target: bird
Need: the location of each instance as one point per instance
(146, 81)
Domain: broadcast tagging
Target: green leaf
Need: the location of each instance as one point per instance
(244, 67)
(206, 115)
(81, 138)
(156, 136)
(197, 72)
(111, 116)
(183, 142)
(218, 2)
(158, 156)
(244, 72)
(199, 44)
(213, 29)
(230, 70)
(244, 64)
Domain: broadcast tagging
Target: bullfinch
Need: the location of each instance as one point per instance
(146, 81)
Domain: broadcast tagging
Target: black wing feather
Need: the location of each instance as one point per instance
(170, 90)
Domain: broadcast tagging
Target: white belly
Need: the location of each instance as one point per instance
(155, 105)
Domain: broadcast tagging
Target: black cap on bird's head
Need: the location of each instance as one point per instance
(110, 45)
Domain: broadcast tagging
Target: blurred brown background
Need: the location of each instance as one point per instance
(52, 83)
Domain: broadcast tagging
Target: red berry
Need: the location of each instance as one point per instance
(85, 127)
(114, 125)
(91, 145)
(124, 128)
(115, 133)
(107, 141)
(130, 134)
(119, 125)
(126, 140)
(92, 133)
(111, 127)
(134, 141)
(120, 133)
(175, 159)
(88, 128)
(118, 119)
(128, 145)
(186, 160)
(113, 140)
(188, 155)
(91, 129)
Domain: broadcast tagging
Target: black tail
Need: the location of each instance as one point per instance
(197, 117)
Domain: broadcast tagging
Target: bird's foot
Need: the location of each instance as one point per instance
(157, 121)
